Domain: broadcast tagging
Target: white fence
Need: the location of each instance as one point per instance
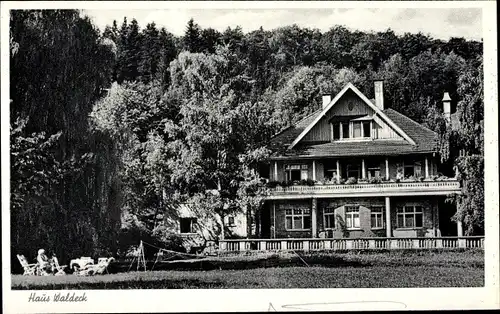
(244, 245)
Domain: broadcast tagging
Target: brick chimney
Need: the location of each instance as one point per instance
(447, 107)
(327, 98)
(379, 94)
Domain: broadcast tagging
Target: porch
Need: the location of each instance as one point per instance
(378, 243)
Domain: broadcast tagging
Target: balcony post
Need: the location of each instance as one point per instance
(363, 170)
(338, 171)
(388, 231)
(387, 168)
(426, 167)
(314, 220)
(275, 171)
(314, 170)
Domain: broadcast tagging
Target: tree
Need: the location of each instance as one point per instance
(150, 53)
(192, 40)
(59, 69)
(469, 141)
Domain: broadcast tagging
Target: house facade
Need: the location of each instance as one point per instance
(354, 169)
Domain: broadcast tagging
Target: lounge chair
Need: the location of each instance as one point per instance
(59, 268)
(29, 269)
(97, 269)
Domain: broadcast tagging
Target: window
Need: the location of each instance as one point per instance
(353, 170)
(418, 169)
(329, 218)
(345, 130)
(377, 217)
(352, 216)
(373, 169)
(336, 131)
(230, 221)
(187, 225)
(356, 129)
(409, 170)
(367, 129)
(298, 218)
(410, 216)
(296, 172)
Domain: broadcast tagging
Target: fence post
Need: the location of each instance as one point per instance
(328, 244)
(283, 245)
(222, 246)
(461, 243)
(262, 245)
(348, 244)
(371, 244)
(305, 245)
(416, 244)
(243, 246)
(439, 243)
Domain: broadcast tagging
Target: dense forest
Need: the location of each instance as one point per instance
(111, 129)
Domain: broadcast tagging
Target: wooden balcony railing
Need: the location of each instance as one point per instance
(389, 188)
(244, 245)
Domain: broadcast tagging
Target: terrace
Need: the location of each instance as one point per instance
(245, 245)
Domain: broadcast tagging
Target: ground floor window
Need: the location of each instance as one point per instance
(377, 217)
(187, 225)
(410, 216)
(329, 218)
(298, 218)
(352, 216)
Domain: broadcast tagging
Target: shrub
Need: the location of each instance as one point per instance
(351, 180)
(272, 184)
(308, 182)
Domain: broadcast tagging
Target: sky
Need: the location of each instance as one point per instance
(441, 23)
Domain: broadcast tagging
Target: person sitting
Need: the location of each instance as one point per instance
(44, 262)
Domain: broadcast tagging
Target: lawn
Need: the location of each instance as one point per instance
(349, 270)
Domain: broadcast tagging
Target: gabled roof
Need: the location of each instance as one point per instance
(327, 108)
(425, 140)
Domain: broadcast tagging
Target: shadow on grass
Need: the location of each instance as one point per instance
(129, 284)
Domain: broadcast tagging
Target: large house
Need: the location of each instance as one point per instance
(354, 174)
(357, 169)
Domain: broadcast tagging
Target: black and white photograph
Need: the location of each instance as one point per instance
(231, 147)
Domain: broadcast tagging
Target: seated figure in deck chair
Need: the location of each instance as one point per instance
(45, 264)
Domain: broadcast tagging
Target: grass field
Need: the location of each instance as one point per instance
(374, 270)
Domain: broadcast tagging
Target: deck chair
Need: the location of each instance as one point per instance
(103, 264)
(29, 269)
(58, 268)
(97, 269)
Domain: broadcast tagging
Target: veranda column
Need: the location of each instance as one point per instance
(338, 171)
(363, 171)
(388, 231)
(387, 168)
(314, 170)
(314, 220)
(426, 167)
(275, 171)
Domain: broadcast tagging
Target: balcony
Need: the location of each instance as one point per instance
(388, 188)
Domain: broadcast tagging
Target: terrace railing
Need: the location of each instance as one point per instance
(245, 245)
(389, 188)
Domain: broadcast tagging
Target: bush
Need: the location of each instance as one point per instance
(351, 180)
(375, 180)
